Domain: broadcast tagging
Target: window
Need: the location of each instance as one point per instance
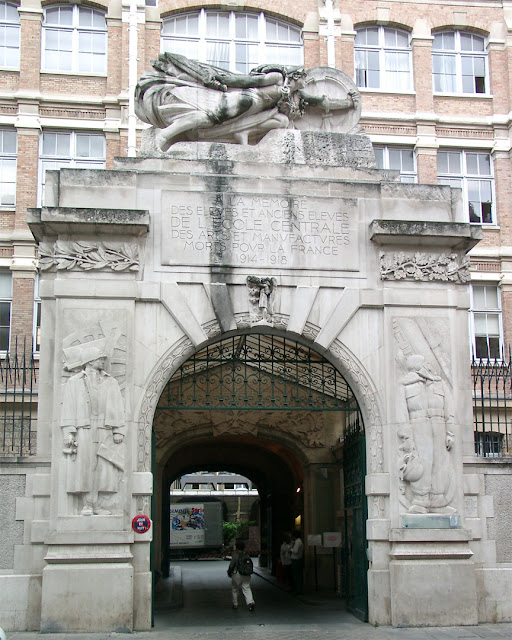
(37, 317)
(488, 444)
(383, 59)
(5, 309)
(69, 149)
(234, 41)
(8, 149)
(9, 36)
(486, 330)
(459, 63)
(74, 40)
(470, 171)
(397, 158)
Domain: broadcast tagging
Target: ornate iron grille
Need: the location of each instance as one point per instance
(257, 372)
(492, 407)
(18, 379)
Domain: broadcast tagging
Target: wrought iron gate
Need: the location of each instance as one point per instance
(356, 559)
(257, 372)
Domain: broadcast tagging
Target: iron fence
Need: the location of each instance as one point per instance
(19, 372)
(492, 407)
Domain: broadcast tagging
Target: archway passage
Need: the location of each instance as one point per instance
(279, 413)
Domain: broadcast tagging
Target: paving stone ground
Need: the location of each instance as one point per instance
(196, 605)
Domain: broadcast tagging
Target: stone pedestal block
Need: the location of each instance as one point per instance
(81, 598)
(432, 578)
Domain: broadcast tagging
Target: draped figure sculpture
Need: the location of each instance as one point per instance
(188, 100)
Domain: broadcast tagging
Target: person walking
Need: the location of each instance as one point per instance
(297, 558)
(240, 571)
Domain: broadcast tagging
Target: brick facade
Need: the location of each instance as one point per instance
(32, 100)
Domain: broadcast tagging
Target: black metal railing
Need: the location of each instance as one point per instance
(492, 406)
(19, 372)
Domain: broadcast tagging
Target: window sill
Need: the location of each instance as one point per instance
(78, 74)
(484, 225)
(487, 96)
(408, 92)
(14, 69)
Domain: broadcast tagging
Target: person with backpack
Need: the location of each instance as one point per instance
(240, 571)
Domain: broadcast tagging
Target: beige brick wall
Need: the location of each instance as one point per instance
(400, 114)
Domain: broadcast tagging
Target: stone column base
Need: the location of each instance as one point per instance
(80, 595)
(432, 577)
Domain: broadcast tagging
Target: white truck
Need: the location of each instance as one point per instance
(195, 529)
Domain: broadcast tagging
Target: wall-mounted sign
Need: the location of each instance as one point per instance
(315, 540)
(332, 539)
(141, 523)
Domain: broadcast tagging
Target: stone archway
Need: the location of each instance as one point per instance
(294, 433)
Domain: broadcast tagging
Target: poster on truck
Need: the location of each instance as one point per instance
(187, 525)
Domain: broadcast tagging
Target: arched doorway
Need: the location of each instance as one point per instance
(276, 410)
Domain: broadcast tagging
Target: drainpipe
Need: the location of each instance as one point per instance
(133, 38)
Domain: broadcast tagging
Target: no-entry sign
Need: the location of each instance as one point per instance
(141, 523)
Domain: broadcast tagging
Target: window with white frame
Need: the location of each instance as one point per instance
(383, 59)
(234, 41)
(472, 172)
(5, 309)
(74, 40)
(9, 36)
(72, 149)
(397, 158)
(459, 63)
(8, 151)
(485, 319)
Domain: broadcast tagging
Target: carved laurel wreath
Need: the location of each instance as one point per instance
(447, 267)
(87, 255)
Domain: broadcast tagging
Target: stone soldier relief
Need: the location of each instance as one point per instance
(93, 427)
(427, 439)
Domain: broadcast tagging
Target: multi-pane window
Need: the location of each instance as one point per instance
(9, 36)
(485, 318)
(383, 59)
(59, 149)
(488, 444)
(74, 40)
(397, 158)
(5, 309)
(470, 171)
(459, 63)
(7, 167)
(235, 41)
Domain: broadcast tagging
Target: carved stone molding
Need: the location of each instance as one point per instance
(69, 255)
(444, 267)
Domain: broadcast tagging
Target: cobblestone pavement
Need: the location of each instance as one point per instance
(206, 614)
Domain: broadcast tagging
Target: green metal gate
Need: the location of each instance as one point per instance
(356, 558)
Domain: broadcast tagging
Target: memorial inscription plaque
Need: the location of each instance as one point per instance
(259, 230)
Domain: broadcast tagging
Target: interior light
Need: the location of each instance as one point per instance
(298, 489)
